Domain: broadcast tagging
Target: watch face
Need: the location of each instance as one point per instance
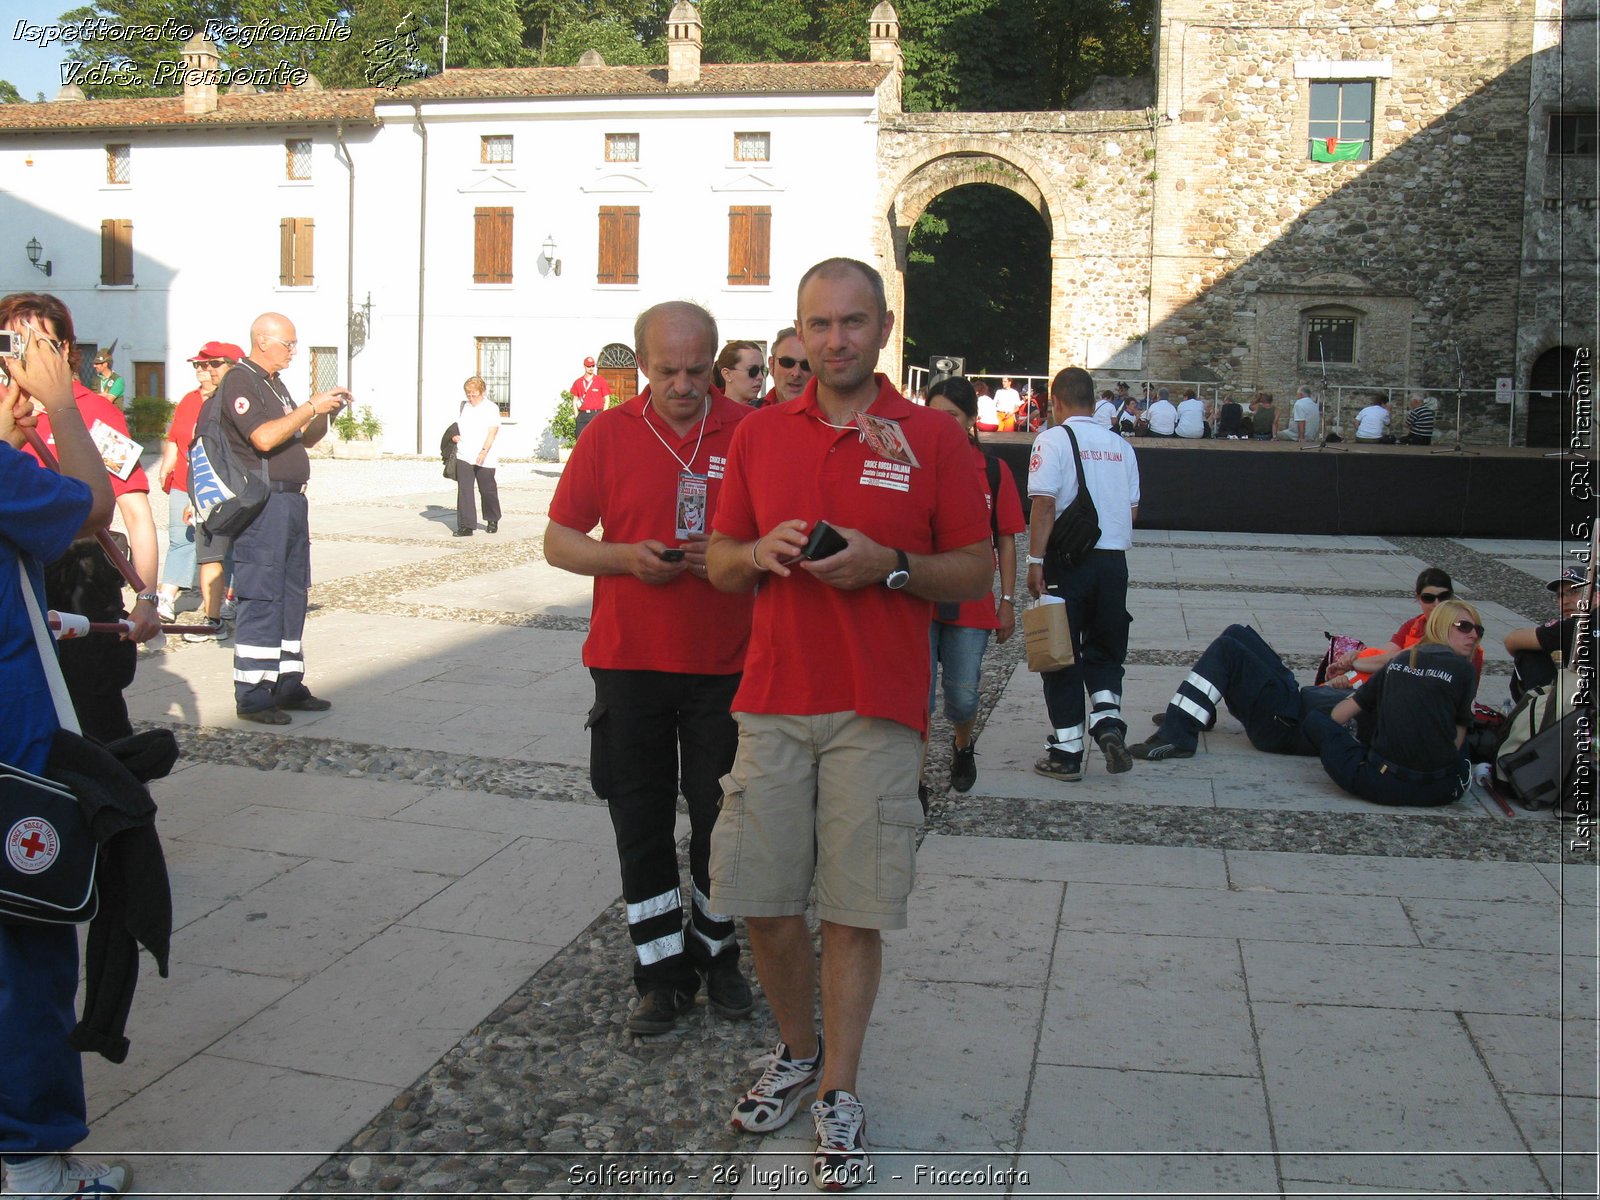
(898, 579)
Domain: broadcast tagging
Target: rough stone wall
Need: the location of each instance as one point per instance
(1557, 298)
(1422, 241)
(1088, 175)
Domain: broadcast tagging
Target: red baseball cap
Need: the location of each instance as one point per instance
(219, 350)
(588, 362)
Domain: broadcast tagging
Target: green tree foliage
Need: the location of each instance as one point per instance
(551, 28)
(978, 282)
(756, 31)
(617, 41)
(9, 93)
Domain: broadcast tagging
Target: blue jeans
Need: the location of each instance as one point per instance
(960, 650)
(178, 570)
(41, 1086)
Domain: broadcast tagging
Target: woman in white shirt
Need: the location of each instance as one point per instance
(476, 460)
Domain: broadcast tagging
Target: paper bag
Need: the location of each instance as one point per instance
(1047, 636)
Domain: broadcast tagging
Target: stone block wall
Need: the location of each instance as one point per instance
(1423, 241)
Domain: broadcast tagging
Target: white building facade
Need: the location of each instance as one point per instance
(503, 223)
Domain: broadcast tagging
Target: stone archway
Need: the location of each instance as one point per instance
(939, 166)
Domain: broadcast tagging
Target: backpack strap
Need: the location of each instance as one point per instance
(991, 468)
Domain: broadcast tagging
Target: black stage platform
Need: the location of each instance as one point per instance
(1265, 487)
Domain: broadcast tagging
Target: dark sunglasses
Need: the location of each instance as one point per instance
(755, 372)
(1433, 597)
(789, 364)
(215, 362)
(1466, 626)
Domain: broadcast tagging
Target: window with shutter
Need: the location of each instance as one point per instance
(619, 244)
(296, 237)
(491, 245)
(116, 253)
(749, 245)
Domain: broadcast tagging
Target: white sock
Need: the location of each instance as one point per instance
(34, 1175)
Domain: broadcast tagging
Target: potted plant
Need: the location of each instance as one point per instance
(148, 417)
(357, 433)
(564, 425)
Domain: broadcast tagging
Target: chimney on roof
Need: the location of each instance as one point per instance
(883, 46)
(591, 58)
(70, 91)
(200, 63)
(683, 44)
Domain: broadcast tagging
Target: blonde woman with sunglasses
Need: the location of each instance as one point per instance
(1421, 705)
(1433, 585)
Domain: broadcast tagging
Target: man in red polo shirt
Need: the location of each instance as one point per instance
(592, 392)
(665, 649)
(834, 704)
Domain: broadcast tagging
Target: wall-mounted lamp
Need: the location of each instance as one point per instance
(36, 251)
(360, 325)
(550, 258)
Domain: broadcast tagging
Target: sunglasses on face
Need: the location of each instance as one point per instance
(755, 372)
(789, 364)
(215, 362)
(1433, 597)
(1465, 626)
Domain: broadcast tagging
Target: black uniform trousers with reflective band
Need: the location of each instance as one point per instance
(1096, 595)
(1366, 773)
(649, 730)
(1242, 672)
(271, 580)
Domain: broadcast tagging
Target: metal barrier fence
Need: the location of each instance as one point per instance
(1486, 416)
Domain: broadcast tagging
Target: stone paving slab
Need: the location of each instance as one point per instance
(1537, 1054)
(334, 559)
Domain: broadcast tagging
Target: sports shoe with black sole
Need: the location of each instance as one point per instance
(1115, 752)
(841, 1163)
(264, 716)
(775, 1097)
(963, 766)
(306, 703)
(657, 1011)
(1153, 749)
(1059, 766)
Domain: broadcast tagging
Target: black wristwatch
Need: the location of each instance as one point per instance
(901, 575)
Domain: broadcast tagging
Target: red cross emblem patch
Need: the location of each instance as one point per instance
(32, 845)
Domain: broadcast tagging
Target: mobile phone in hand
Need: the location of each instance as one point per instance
(671, 556)
(825, 541)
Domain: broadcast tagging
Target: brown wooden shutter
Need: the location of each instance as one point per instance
(761, 246)
(304, 239)
(286, 252)
(738, 245)
(491, 245)
(619, 244)
(749, 245)
(116, 252)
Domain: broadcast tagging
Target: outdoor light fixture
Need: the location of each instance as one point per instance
(549, 250)
(360, 325)
(35, 252)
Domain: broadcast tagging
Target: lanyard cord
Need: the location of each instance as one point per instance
(693, 454)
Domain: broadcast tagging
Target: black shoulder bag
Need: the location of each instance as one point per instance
(1077, 529)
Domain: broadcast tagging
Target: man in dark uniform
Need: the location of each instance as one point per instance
(1241, 671)
(272, 557)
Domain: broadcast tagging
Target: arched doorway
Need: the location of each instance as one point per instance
(1549, 399)
(997, 177)
(616, 365)
(977, 283)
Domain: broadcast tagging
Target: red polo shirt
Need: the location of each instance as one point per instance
(814, 648)
(181, 433)
(621, 476)
(1007, 507)
(591, 392)
(92, 407)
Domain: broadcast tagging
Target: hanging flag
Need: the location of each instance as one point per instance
(1333, 150)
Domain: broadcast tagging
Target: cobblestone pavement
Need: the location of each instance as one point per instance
(550, 1070)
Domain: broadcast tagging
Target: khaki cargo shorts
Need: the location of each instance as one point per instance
(830, 798)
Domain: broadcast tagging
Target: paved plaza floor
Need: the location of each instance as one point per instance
(399, 963)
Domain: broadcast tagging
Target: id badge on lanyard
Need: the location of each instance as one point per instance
(691, 504)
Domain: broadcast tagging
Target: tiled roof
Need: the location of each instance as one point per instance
(265, 108)
(715, 79)
(475, 83)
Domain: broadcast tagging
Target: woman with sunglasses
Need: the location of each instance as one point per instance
(1421, 705)
(1433, 586)
(740, 372)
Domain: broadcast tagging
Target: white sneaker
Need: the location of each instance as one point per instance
(58, 1176)
(165, 610)
(841, 1163)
